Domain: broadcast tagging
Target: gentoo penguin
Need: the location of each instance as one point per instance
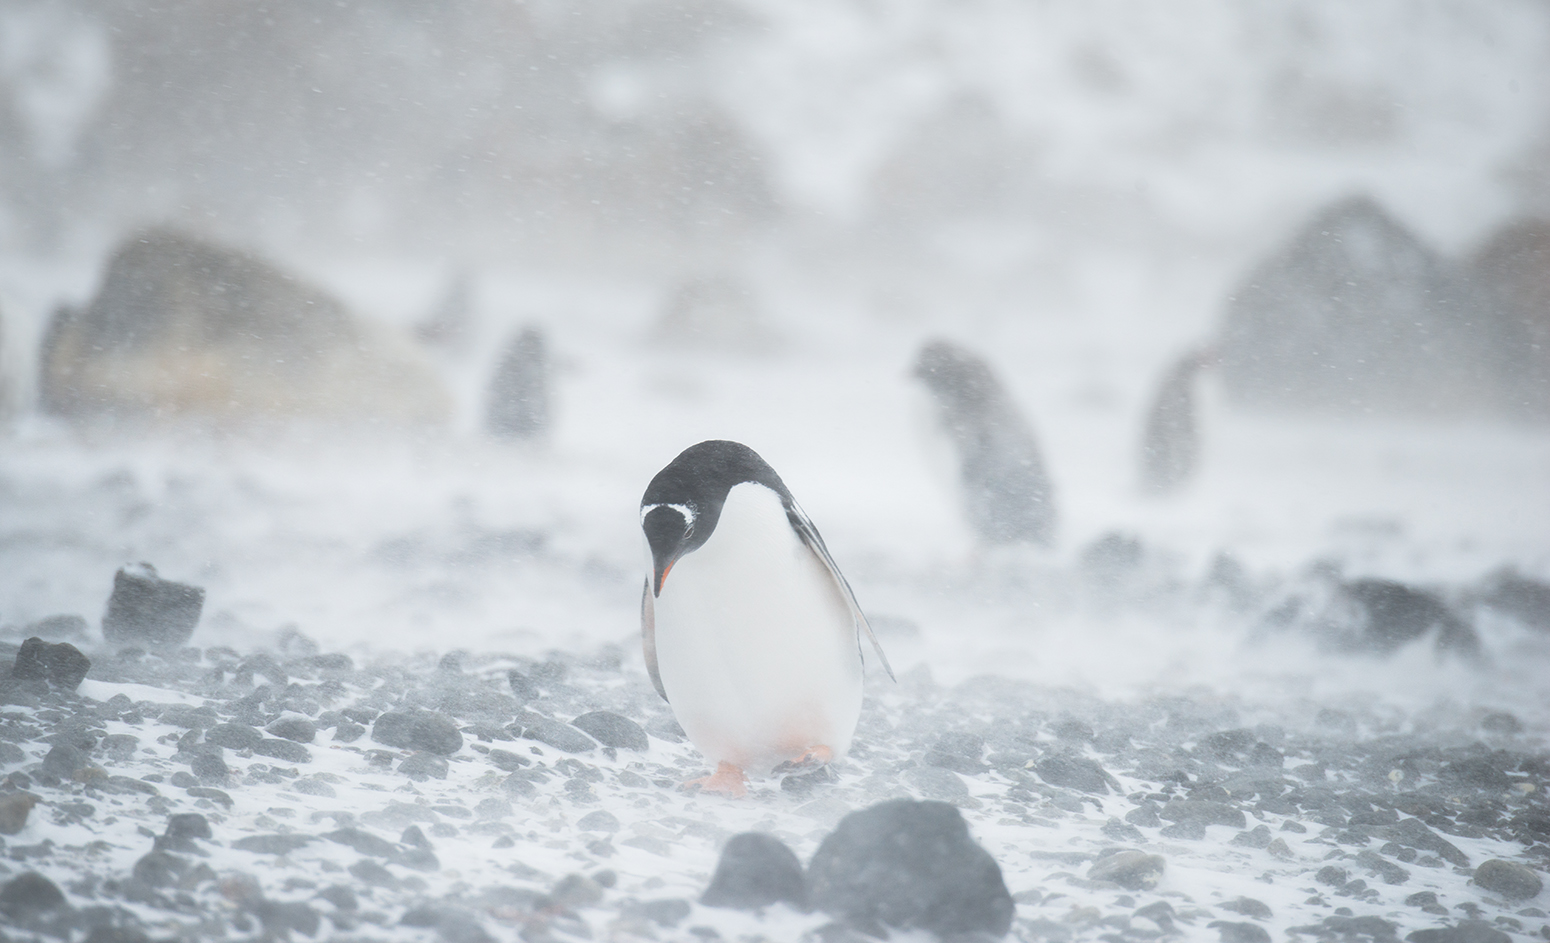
(519, 394)
(1170, 445)
(750, 631)
(1006, 493)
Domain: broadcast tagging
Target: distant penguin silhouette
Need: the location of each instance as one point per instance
(1170, 446)
(519, 394)
(1006, 493)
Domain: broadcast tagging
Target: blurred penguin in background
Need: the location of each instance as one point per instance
(1170, 445)
(1005, 491)
(519, 394)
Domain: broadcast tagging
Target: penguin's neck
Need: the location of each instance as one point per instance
(752, 534)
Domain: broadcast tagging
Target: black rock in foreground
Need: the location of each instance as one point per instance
(905, 864)
(60, 664)
(756, 870)
(150, 611)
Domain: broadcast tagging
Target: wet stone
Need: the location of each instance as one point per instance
(904, 864)
(1509, 879)
(1132, 870)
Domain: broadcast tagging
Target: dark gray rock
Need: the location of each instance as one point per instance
(1413, 833)
(613, 730)
(1509, 879)
(665, 727)
(294, 728)
(1390, 872)
(182, 829)
(600, 821)
(1465, 931)
(63, 760)
(282, 750)
(1387, 615)
(148, 611)
(1354, 929)
(281, 917)
(518, 406)
(1132, 870)
(422, 766)
(1073, 772)
(575, 890)
(341, 897)
(348, 732)
(561, 736)
(936, 783)
(522, 687)
(507, 760)
(1006, 493)
(272, 844)
(905, 864)
(234, 736)
(364, 842)
(756, 870)
(1203, 812)
(668, 913)
(159, 869)
(30, 894)
(209, 768)
(60, 664)
(1331, 875)
(1257, 837)
(1249, 907)
(418, 730)
(1238, 932)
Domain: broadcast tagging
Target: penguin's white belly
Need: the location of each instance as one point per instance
(756, 646)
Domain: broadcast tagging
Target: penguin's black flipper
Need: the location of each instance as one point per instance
(803, 525)
(648, 638)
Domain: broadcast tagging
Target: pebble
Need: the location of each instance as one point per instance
(418, 730)
(754, 871)
(298, 729)
(904, 864)
(1509, 879)
(1132, 870)
(613, 730)
(559, 735)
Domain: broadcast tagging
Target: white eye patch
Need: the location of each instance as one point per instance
(685, 510)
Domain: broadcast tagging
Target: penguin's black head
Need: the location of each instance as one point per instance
(683, 502)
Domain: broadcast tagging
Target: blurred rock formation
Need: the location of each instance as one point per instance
(184, 328)
(1006, 493)
(518, 406)
(1355, 316)
(1373, 616)
(717, 312)
(1511, 274)
(1170, 444)
(448, 323)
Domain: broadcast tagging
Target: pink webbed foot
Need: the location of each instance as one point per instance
(727, 779)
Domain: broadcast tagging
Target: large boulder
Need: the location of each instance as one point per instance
(1006, 494)
(907, 865)
(186, 328)
(1356, 316)
(146, 611)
